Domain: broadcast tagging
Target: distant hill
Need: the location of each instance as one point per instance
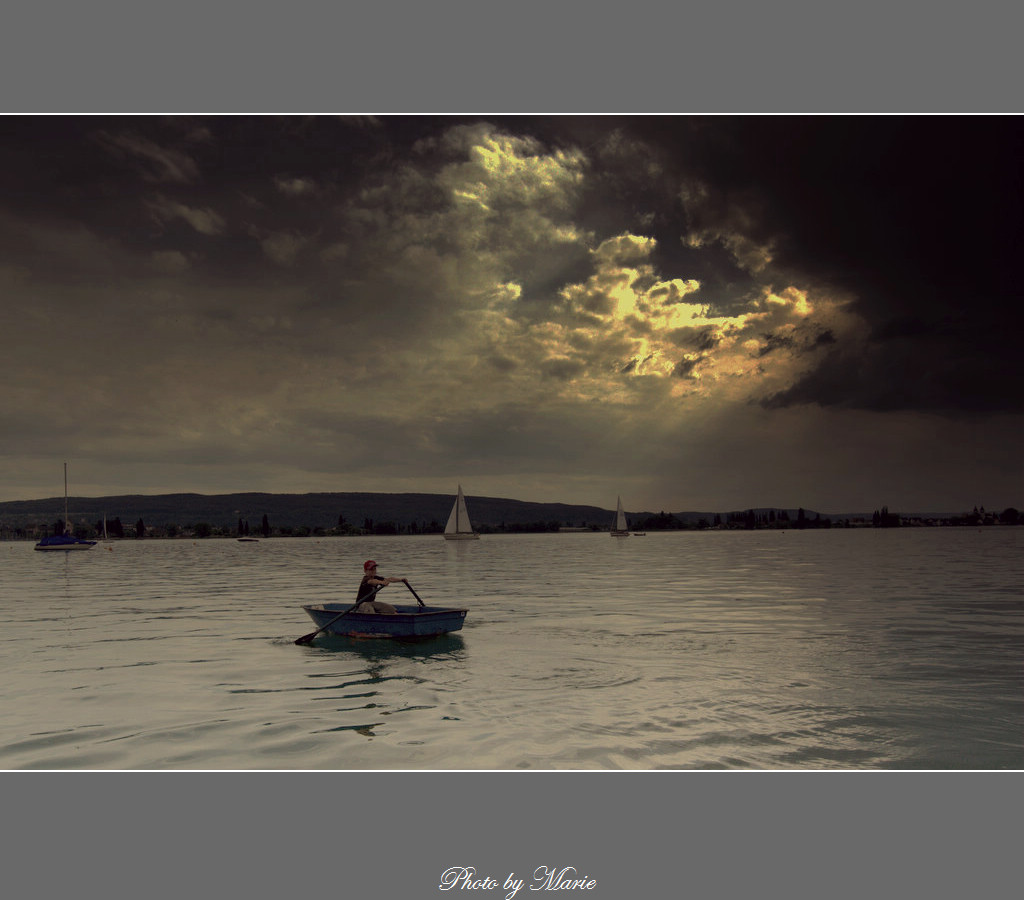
(323, 511)
(317, 510)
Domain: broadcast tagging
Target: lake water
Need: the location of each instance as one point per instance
(842, 649)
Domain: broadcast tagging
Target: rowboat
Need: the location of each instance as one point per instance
(408, 622)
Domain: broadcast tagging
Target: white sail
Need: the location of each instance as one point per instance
(620, 529)
(459, 527)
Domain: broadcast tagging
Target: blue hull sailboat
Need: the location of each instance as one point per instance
(66, 541)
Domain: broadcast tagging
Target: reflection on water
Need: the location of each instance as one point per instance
(445, 646)
(843, 649)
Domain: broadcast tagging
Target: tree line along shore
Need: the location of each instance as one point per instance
(115, 529)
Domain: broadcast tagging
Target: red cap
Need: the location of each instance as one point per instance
(369, 564)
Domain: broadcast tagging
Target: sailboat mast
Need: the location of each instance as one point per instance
(65, 496)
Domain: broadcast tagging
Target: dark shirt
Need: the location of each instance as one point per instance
(365, 588)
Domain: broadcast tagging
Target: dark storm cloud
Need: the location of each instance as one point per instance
(798, 341)
(684, 368)
(918, 221)
(699, 339)
(888, 379)
(562, 369)
(155, 162)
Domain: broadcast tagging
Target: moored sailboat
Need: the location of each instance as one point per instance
(67, 540)
(459, 527)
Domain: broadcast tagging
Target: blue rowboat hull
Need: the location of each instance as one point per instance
(407, 623)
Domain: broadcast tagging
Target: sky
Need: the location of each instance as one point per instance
(690, 312)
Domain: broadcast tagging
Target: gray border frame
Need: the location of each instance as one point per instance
(392, 835)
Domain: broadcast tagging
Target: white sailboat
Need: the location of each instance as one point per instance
(459, 527)
(620, 528)
(67, 540)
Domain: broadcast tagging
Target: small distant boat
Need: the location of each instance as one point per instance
(250, 540)
(66, 541)
(408, 623)
(620, 528)
(459, 527)
(639, 534)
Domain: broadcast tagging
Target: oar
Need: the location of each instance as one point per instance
(417, 596)
(308, 638)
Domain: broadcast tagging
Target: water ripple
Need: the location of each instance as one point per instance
(742, 650)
